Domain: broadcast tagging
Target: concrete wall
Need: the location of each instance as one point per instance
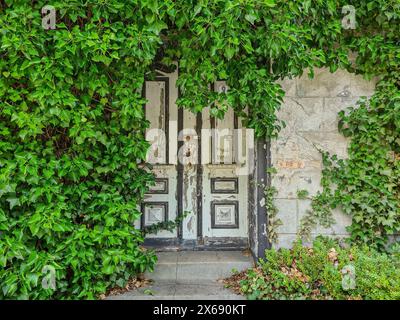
(310, 111)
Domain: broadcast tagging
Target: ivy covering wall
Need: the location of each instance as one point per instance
(72, 121)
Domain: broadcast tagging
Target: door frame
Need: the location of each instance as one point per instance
(258, 179)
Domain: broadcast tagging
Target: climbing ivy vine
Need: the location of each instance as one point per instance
(367, 184)
(71, 128)
(72, 120)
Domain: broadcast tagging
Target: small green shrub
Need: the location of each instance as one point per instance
(318, 272)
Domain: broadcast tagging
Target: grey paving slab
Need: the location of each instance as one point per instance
(205, 289)
(160, 289)
(208, 271)
(197, 257)
(184, 291)
(234, 256)
(167, 257)
(191, 275)
(166, 271)
(165, 268)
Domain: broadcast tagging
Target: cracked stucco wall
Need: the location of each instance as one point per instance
(310, 112)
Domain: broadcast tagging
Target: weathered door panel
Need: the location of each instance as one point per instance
(189, 157)
(225, 185)
(161, 202)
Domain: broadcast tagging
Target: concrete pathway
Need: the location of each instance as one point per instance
(191, 275)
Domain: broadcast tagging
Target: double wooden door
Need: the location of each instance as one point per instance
(201, 166)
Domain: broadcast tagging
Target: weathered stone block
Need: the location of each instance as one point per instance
(342, 221)
(297, 148)
(332, 106)
(360, 87)
(289, 86)
(285, 241)
(288, 182)
(332, 142)
(301, 114)
(324, 84)
(287, 214)
(287, 148)
(339, 228)
(304, 205)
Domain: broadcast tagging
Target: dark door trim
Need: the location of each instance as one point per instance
(199, 180)
(263, 162)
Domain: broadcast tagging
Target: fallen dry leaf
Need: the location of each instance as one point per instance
(233, 282)
(133, 284)
(332, 255)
